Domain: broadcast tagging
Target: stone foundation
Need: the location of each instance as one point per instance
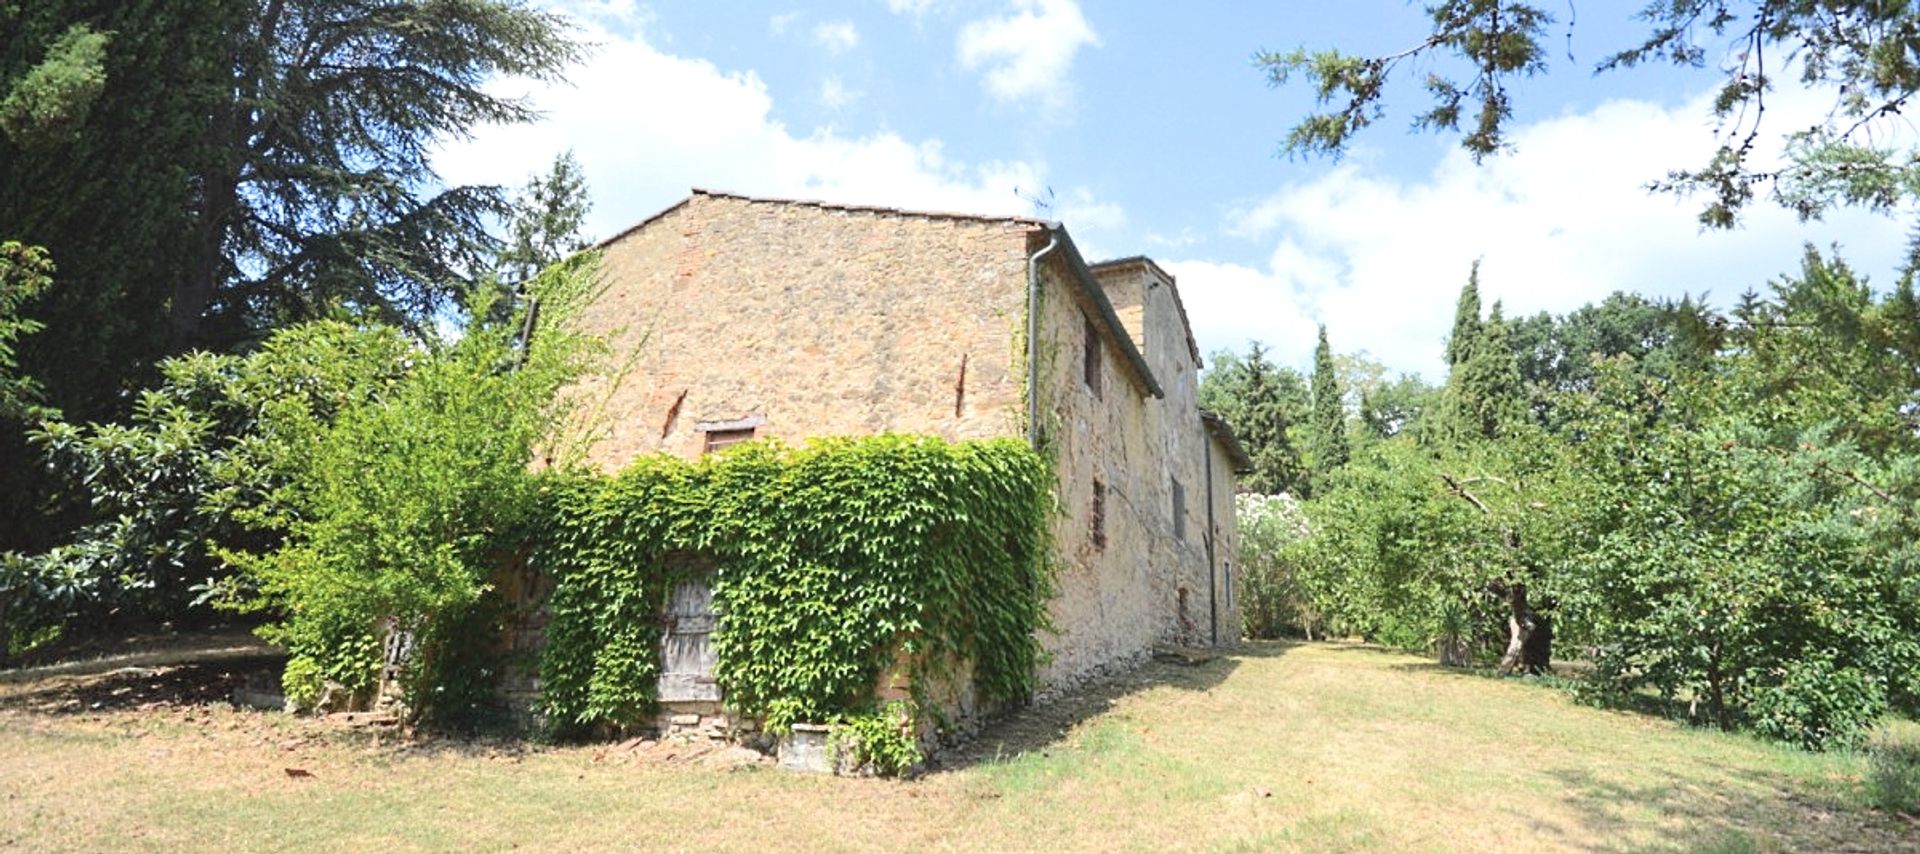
(1062, 686)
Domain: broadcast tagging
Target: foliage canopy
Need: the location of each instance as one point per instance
(1719, 510)
(1860, 51)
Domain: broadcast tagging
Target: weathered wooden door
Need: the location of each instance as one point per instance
(687, 659)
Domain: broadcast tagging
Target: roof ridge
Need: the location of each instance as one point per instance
(867, 208)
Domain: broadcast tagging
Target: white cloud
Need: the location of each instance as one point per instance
(607, 11)
(1095, 225)
(1563, 221)
(836, 36)
(779, 23)
(834, 94)
(1028, 52)
(647, 125)
(916, 8)
(1182, 239)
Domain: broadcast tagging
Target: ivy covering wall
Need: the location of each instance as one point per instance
(829, 563)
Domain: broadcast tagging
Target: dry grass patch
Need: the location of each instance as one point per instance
(1314, 747)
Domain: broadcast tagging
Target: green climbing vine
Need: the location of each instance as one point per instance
(830, 564)
(881, 740)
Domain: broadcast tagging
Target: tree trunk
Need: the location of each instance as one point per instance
(229, 132)
(1537, 653)
(1520, 627)
(219, 187)
(1529, 634)
(398, 650)
(1716, 689)
(1516, 642)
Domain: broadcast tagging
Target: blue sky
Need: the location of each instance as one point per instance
(1150, 132)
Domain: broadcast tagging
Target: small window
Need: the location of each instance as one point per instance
(1090, 366)
(720, 439)
(1098, 522)
(1179, 511)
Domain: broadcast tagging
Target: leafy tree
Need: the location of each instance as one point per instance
(105, 107)
(1730, 575)
(547, 218)
(1327, 443)
(1387, 548)
(1264, 403)
(1397, 408)
(266, 162)
(1824, 348)
(200, 450)
(543, 229)
(1557, 355)
(24, 273)
(1860, 50)
(1415, 548)
(319, 193)
(398, 513)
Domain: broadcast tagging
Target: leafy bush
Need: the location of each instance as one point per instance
(827, 561)
(200, 452)
(1721, 574)
(1398, 555)
(883, 740)
(1274, 600)
(398, 512)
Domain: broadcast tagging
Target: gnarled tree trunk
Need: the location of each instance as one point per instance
(1529, 634)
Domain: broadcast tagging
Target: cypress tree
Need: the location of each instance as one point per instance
(1328, 427)
(1466, 321)
(1265, 403)
(1486, 395)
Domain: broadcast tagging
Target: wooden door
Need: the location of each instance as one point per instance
(686, 671)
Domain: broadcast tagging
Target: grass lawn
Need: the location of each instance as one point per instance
(1279, 746)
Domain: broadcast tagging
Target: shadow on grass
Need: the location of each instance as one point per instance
(1569, 678)
(1359, 647)
(211, 679)
(1037, 727)
(1762, 811)
(1721, 808)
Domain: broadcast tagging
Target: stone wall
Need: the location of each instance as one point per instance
(1108, 606)
(1152, 582)
(810, 321)
(1226, 543)
(801, 320)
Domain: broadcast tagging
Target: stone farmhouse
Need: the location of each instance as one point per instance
(747, 317)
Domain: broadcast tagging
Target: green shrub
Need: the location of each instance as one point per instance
(396, 512)
(1816, 704)
(1274, 601)
(884, 740)
(329, 643)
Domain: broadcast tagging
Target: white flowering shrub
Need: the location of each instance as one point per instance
(1273, 536)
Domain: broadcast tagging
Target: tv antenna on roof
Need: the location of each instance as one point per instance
(1042, 204)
